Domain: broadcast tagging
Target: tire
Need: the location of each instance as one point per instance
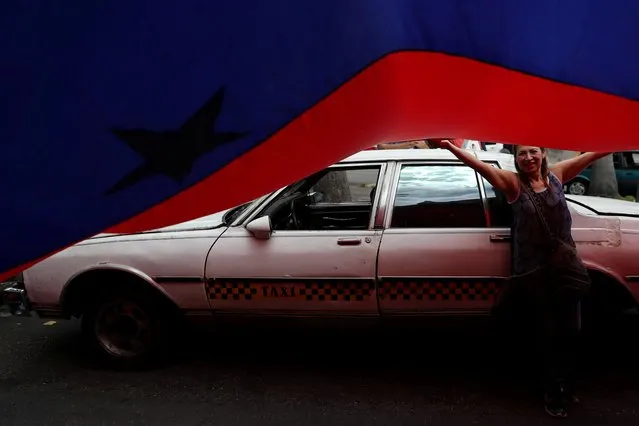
(578, 187)
(607, 309)
(128, 329)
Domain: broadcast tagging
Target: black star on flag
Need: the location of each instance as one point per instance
(172, 152)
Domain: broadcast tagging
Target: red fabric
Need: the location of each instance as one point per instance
(386, 102)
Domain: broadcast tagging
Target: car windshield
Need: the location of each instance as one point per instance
(234, 213)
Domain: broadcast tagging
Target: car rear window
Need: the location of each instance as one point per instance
(437, 196)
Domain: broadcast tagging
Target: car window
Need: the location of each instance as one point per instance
(345, 185)
(338, 198)
(500, 212)
(617, 160)
(437, 196)
(230, 216)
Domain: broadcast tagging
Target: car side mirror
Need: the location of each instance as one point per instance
(260, 228)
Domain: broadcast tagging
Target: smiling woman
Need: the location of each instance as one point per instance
(548, 273)
(530, 160)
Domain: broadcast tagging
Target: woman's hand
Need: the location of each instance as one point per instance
(441, 143)
(420, 144)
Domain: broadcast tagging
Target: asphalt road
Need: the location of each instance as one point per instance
(286, 377)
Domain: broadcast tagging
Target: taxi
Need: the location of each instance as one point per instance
(382, 234)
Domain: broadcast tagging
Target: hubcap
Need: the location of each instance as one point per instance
(122, 328)
(577, 188)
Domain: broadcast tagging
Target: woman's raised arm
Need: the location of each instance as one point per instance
(568, 169)
(503, 180)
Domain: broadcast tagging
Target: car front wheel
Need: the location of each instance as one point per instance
(126, 329)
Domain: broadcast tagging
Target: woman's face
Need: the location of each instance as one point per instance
(529, 159)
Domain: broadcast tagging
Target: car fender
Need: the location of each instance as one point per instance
(612, 275)
(579, 177)
(106, 266)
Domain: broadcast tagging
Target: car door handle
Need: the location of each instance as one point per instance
(499, 238)
(349, 241)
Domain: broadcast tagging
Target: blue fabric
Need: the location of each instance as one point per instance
(75, 70)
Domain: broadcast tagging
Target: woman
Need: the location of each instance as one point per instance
(539, 188)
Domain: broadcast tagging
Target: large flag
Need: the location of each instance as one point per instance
(128, 115)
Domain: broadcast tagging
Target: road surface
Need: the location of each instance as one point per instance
(288, 377)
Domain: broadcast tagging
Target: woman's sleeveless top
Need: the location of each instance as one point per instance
(530, 238)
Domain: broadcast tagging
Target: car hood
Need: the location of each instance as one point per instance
(206, 222)
(606, 206)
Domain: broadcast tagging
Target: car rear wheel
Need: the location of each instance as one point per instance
(127, 329)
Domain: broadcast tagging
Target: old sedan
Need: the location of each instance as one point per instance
(382, 234)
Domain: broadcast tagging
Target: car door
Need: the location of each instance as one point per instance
(439, 253)
(319, 258)
(627, 171)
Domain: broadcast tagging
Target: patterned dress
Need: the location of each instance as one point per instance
(530, 238)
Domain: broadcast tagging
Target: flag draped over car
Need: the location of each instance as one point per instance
(125, 116)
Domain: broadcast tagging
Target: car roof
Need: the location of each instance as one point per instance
(421, 154)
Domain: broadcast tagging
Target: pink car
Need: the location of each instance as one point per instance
(382, 234)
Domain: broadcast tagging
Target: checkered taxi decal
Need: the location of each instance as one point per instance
(429, 290)
(439, 290)
(308, 290)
